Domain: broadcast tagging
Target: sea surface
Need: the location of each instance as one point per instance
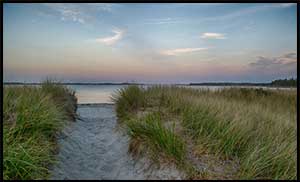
(95, 94)
(89, 94)
(102, 93)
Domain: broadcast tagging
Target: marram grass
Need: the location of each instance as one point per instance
(31, 117)
(254, 125)
(160, 139)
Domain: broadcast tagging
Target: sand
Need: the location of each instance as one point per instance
(94, 147)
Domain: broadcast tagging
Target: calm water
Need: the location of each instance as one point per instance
(94, 93)
(102, 93)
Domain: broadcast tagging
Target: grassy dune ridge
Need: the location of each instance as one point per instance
(256, 126)
(31, 118)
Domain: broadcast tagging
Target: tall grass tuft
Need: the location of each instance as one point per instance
(62, 96)
(31, 118)
(151, 130)
(128, 100)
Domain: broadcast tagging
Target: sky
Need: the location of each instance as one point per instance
(150, 43)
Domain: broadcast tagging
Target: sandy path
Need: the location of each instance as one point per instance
(93, 148)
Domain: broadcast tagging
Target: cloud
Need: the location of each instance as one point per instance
(159, 21)
(176, 52)
(273, 67)
(247, 11)
(229, 16)
(291, 55)
(80, 13)
(112, 40)
(288, 60)
(197, 4)
(213, 36)
(103, 6)
(285, 5)
(68, 12)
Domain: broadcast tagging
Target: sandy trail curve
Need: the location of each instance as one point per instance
(94, 148)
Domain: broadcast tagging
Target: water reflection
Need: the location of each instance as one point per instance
(94, 93)
(102, 93)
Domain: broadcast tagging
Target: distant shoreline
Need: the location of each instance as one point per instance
(188, 84)
(21, 83)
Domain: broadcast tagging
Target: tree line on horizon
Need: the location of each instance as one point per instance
(292, 82)
(285, 82)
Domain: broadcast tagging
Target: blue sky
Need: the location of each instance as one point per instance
(155, 43)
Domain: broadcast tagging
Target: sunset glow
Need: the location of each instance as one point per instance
(151, 43)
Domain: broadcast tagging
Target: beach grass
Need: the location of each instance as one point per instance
(150, 130)
(128, 101)
(32, 116)
(256, 126)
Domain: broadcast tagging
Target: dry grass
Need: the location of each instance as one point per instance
(31, 118)
(254, 125)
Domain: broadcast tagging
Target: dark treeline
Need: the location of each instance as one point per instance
(230, 84)
(285, 82)
(275, 83)
(72, 83)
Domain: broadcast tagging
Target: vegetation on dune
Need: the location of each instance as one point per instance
(128, 100)
(62, 96)
(256, 126)
(31, 117)
(160, 138)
